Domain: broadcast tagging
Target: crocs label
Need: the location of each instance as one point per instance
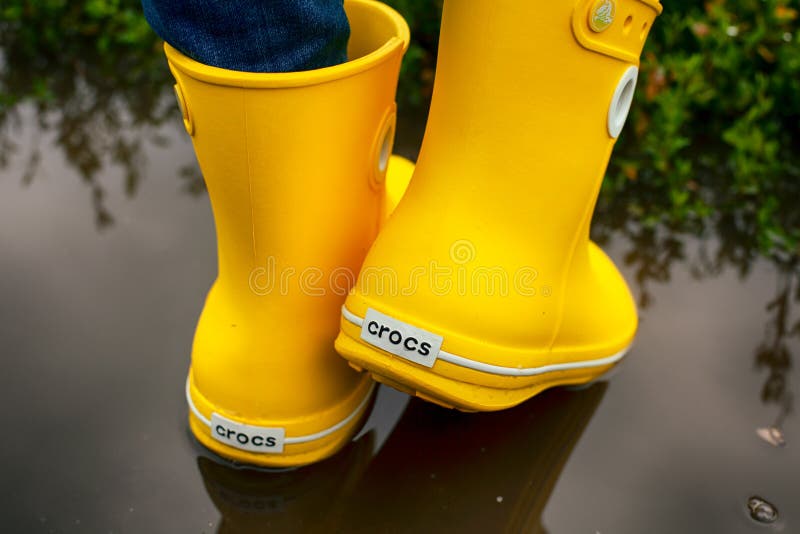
(247, 437)
(401, 339)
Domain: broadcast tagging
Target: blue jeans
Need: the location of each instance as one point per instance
(254, 35)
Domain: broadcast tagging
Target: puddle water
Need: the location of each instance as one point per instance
(107, 251)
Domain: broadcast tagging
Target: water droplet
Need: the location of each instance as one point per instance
(732, 31)
(499, 498)
(772, 435)
(761, 510)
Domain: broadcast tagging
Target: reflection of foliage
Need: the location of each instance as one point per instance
(193, 182)
(94, 75)
(773, 354)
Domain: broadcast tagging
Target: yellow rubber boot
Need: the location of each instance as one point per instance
(483, 289)
(295, 165)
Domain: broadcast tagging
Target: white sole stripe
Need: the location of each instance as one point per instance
(508, 371)
(296, 439)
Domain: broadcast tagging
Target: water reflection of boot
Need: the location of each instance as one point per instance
(444, 471)
(306, 499)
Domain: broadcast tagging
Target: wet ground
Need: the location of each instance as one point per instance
(106, 253)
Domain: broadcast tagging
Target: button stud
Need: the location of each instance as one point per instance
(602, 15)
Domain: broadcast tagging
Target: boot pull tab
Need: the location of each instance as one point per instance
(382, 146)
(615, 28)
(187, 118)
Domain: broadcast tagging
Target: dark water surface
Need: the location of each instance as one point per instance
(106, 252)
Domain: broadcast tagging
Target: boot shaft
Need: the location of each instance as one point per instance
(294, 162)
(521, 102)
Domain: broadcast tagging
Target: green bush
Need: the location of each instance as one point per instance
(714, 139)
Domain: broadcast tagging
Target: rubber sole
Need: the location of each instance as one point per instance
(439, 386)
(301, 447)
